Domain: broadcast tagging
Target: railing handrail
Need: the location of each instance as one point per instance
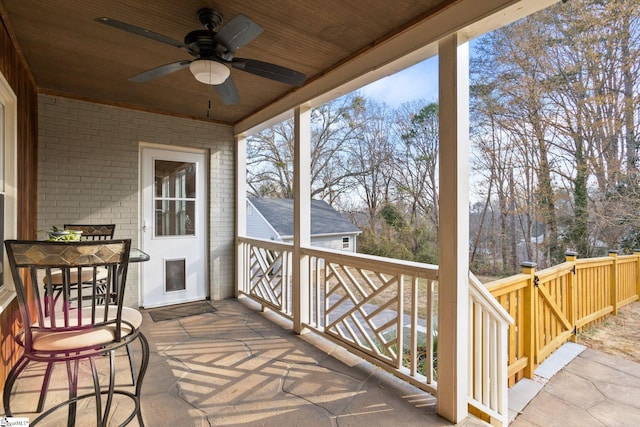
(427, 271)
(487, 300)
(605, 260)
(268, 244)
(389, 263)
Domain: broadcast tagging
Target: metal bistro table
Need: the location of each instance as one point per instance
(136, 255)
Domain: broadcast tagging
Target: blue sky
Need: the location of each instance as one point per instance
(417, 82)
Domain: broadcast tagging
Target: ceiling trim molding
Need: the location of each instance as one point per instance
(49, 92)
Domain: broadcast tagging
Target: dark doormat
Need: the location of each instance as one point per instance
(181, 310)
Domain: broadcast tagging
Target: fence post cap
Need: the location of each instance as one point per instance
(613, 252)
(528, 264)
(571, 253)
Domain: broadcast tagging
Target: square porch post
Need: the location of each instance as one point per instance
(453, 287)
(301, 215)
(241, 209)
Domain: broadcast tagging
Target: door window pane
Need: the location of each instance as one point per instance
(174, 197)
(175, 218)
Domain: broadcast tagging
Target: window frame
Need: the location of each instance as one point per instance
(8, 144)
(346, 240)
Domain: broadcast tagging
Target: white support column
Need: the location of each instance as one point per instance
(301, 215)
(453, 229)
(241, 207)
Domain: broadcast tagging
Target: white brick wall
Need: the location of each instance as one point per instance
(88, 173)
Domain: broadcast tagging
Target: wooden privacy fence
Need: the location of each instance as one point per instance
(551, 306)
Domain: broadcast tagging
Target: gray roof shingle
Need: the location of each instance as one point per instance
(324, 219)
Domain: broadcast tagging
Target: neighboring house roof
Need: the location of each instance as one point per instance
(324, 219)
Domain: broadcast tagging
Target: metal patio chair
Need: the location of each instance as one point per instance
(93, 231)
(83, 324)
(97, 232)
(89, 232)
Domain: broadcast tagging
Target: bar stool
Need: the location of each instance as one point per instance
(83, 324)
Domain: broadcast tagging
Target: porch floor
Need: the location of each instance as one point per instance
(594, 389)
(239, 366)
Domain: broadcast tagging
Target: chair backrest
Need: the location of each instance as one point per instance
(99, 266)
(93, 231)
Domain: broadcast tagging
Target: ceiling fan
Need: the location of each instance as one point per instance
(213, 52)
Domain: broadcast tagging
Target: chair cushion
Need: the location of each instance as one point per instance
(95, 337)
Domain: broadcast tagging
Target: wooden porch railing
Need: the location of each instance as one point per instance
(551, 306)
(385, 311)
(488, 326)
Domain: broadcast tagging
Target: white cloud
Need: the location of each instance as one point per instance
(417, 82)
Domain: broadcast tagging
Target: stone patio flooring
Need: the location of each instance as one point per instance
(238, 366)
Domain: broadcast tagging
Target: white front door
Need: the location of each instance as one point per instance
(174, 226)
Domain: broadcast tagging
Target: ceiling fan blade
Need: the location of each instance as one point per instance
(238, 32)
(160, 71)
(270, 71)
(141, 32)
(228, 92)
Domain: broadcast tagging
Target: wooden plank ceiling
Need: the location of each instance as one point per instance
(70, 54)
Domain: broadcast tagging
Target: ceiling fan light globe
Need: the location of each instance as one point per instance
(209, 72)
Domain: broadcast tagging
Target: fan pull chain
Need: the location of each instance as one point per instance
(209, 108)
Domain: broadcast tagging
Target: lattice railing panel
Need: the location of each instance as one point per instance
(362, 308)
(269, 276)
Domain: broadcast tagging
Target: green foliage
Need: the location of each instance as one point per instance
(379, 245)
(627, 196)
(481, 266)
(578, 232)
(631, 241)
(401, 237)
(424, 121)
(423, 243)
(392, 217)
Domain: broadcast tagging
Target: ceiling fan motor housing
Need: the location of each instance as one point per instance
(202, 43)
(209, 18)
